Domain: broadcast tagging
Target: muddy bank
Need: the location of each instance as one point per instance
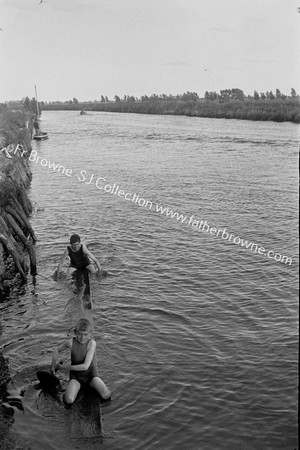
(17, 238)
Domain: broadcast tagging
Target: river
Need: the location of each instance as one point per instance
(197, 336)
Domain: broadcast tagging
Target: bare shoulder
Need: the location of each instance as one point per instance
(92, 344)
(86, 250)
(85, 243)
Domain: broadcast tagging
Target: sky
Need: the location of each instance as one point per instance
(89, 48)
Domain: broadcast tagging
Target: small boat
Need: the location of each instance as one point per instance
(41, 137)
(83, 113)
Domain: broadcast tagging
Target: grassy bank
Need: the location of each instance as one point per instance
(276, 110)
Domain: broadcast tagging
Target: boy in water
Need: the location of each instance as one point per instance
(83, 369)
(80, 257)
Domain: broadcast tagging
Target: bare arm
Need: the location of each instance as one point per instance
(88, 358)
(91, 256)
(58, 350)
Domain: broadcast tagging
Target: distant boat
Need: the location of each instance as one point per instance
(41, 137)
(82, 113)
(39, 134)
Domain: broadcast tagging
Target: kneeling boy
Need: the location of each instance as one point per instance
(80, 257)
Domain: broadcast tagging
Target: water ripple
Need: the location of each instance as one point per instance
(197, 337)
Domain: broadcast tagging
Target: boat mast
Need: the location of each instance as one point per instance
(37, 103)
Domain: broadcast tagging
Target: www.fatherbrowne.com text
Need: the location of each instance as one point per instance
(193, 222)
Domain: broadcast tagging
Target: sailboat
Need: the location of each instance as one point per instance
(39, 134)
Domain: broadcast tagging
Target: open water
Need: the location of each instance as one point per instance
(197, 336)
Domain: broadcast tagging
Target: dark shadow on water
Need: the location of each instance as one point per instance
(79, 305)
(79, 284)
(82, 419)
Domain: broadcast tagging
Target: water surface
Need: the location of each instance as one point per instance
(197, 337)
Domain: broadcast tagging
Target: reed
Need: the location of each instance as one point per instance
(277, 110)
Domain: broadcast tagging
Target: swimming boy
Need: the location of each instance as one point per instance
(83, 369)
(80, 257)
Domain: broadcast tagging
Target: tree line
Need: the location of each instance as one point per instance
(228, 103)
(224, 96)
(238, 95)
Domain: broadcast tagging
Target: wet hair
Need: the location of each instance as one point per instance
(83, 325)
(74, 238)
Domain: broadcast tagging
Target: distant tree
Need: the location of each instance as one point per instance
(293, 93)
(256, 95)
(75, 101)
(106, 99)
(26, 103)
(225, 95)
(117, 99)
(278, 93)
(129, 98)
(270, 95)
(262, 96)
(102, 99)
(29, 105)
(210, 96)
(237, 94)
(187, 96)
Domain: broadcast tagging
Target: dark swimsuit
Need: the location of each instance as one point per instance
(78, 259)
(78, 354)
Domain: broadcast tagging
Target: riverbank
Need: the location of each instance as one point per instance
(277, 110)
(16, 235)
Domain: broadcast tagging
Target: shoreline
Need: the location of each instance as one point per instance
(17, 237)
(262, 110)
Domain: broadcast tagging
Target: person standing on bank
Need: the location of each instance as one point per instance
(36, 126)
(80, 257)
